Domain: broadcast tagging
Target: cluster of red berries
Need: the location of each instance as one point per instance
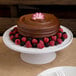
(37, 42)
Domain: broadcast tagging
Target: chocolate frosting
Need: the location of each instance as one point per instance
(38, 28)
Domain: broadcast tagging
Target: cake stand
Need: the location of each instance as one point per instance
(35, 55)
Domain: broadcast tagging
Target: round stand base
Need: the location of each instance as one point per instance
(38, 58)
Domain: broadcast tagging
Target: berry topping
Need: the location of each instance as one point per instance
(16, 35)
(15, 28)
(60, 30)
(23, 39)
(10, 33)
(34, 41)
(56, 42)
(39, 45)
(50, 39)
(41, 42)
(11, 37)
(14, 31)
(46, 39)
(54, 38)
(59, 40)
(46, 44)
(59, 35)
(20, 36)
(22, 43)
(39, 39)
(62, 38)
(19, 39)
(52, 43)
(64, 32)
(28, 44)
(29, 39)
(17, 42)
(34, 45)
(65, 36)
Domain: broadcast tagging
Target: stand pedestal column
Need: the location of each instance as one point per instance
(38, 58)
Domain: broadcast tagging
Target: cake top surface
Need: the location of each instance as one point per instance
(31, 21)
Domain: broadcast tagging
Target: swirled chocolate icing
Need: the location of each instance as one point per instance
(38, 28)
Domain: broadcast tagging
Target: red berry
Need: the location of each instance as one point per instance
(59, 40)
(28, 44)
(24, 39)
(34, 41)
(10, 33)
(65, 36)
(17, 35)
(59, 35)
(14, 31)
(52, 43)
(17, 41)
(39, 45)
(15, 28)
(60, 29)
(54, 38)
(46, 39)
(41, 42)
(11, 37)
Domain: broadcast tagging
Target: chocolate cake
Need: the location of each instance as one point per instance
(38, 28)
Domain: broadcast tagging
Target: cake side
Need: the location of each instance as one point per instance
(38, 28)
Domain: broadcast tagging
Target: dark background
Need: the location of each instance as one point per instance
(61, 11)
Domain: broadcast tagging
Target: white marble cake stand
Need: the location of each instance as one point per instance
(35, 55)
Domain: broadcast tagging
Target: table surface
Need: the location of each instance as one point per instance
(12, 65)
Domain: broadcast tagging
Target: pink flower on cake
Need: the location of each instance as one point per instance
(38, 16)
